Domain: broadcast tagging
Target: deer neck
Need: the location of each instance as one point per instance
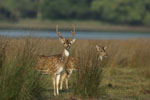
(100, 58)
(65, 56)
(66, 53)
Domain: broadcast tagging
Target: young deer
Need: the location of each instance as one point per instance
(101, 51)
(55, 64)
(72, 65)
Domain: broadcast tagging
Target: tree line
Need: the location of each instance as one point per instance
(130, 12)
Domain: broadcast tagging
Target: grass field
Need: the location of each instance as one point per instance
(89, 25)
(125, 75)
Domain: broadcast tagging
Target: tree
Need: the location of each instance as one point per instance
(65, 9)
(21, 8)
(120, 11)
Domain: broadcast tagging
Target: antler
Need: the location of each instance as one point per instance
(73, 31)
(59, 34)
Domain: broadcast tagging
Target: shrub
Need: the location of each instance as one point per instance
(18, 78)
(89, 76)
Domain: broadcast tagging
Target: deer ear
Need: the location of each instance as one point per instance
(73, 40)
(105, 48)
(62, 40)
(97, 47)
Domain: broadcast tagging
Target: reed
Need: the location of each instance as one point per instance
(18, 78)
(125, 72)
(89, 75)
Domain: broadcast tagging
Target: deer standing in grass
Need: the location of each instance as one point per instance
(101, 51)
(56, 64)
(72, 65)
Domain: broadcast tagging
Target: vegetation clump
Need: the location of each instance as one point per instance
(129, 12)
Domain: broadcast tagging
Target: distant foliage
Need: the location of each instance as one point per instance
(18, 9)
(130, 12)
(65, 9)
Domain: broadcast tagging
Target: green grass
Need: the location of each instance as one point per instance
(89, 76)
(127, 83)
(18, 78)
(86, 25)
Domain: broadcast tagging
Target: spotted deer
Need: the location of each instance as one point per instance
(72, 65)
(56, 64)
(101, 51)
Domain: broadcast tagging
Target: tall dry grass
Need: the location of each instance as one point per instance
(20, 81)
(18, 78)
(89, 74)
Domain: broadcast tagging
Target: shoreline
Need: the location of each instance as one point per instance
(66, 25)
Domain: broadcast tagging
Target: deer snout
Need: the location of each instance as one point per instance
(68, 48)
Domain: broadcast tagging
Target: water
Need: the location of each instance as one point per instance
(79, 34)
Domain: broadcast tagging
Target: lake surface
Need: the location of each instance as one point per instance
(79, 34)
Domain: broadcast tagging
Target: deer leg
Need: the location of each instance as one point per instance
(67, 87)
(57, 83)
(67, 78)
(62, 80)
(54, 84)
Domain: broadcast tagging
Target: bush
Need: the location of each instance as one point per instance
(18, 78)
(89, 76)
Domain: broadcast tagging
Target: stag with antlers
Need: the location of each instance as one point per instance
(55, 64)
